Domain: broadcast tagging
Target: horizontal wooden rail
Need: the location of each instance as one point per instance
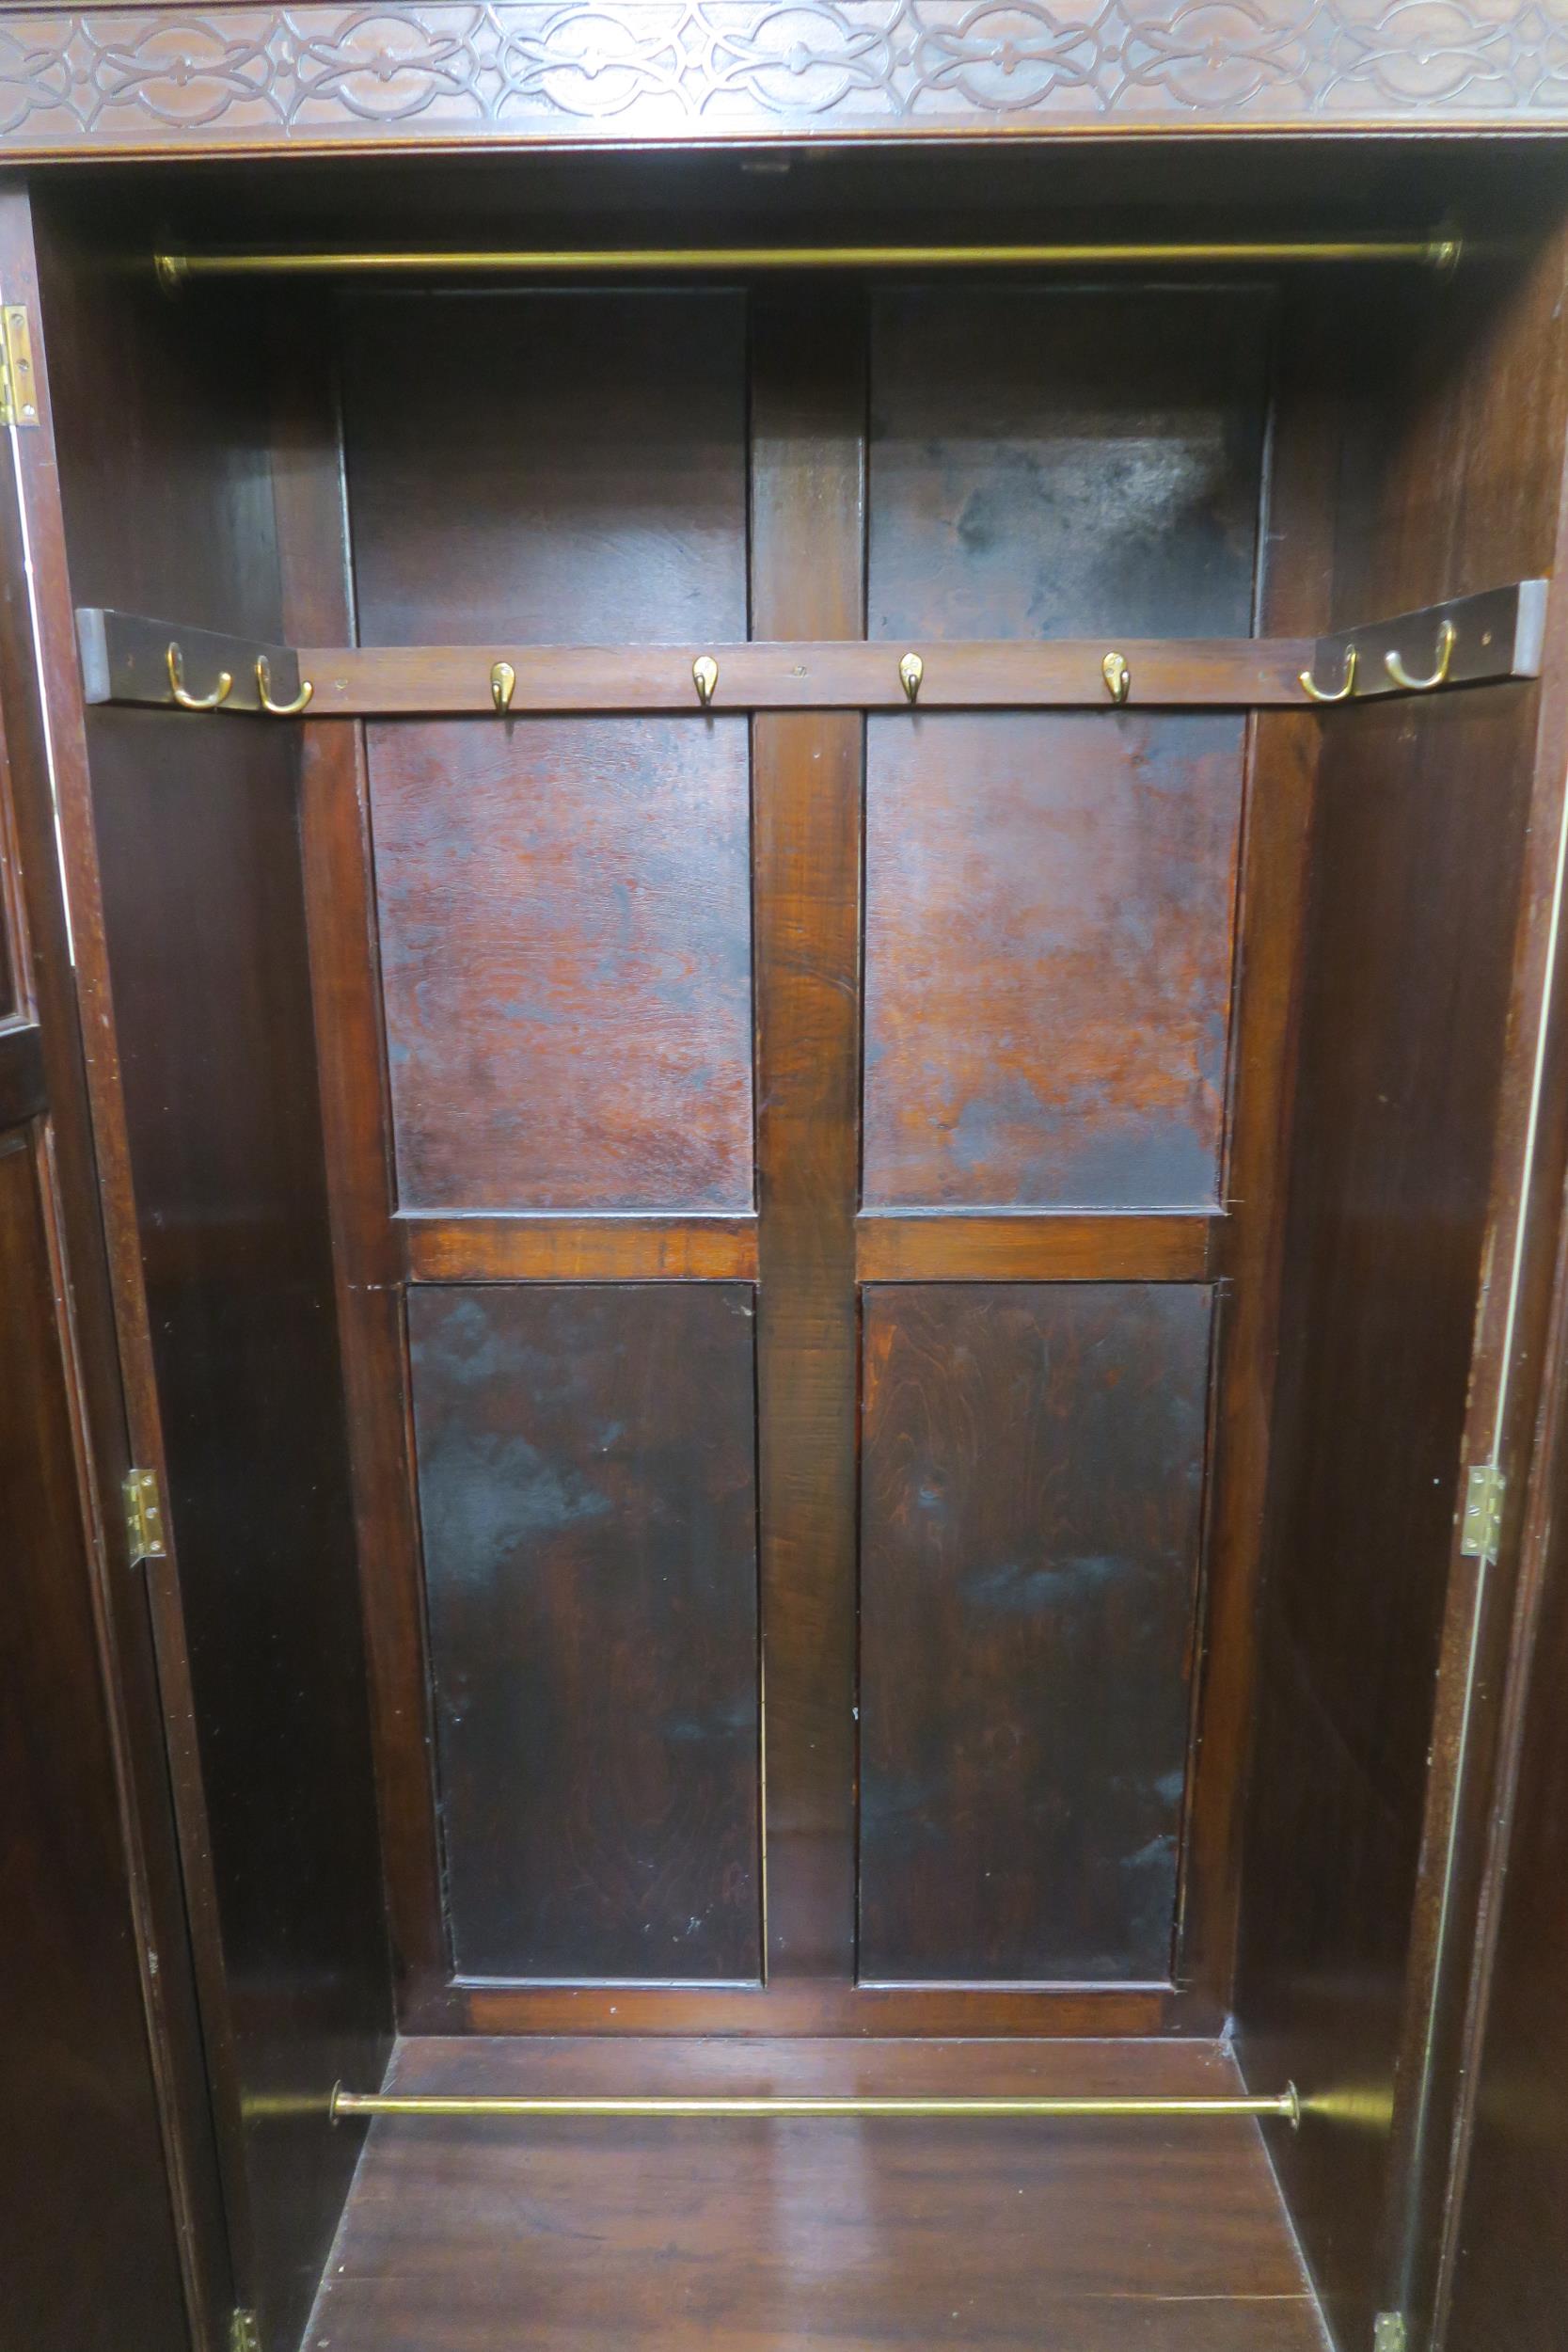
(588, 1248)
(1039, 1246)
(431, 680)
(1469, 641)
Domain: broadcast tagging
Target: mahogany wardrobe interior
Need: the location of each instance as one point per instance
(814, 1005)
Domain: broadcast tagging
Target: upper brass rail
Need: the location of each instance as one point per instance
(176, 269)
(1286, 2104)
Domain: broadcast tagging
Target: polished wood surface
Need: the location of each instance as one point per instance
(566, 954)
(587, 1487)
(78, 2084)
(810, 674)
(22, 1091)
(994, 514)
(808, 490)
(579, 1249)
(591, 482)
(1514, 2176)
(1400, 1060)
(751, 2236)
(971, 1247)
(187, 897)
(1048, 930)
(1407, 1151)
(414, 80)
(1031, 1495)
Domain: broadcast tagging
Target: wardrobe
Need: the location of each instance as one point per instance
(782, 1117)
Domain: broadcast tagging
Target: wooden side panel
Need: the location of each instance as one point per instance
(587, 1473)
(1033, 1478)
(87, 2242)
(551, 468)
(1050, 904)
(1052, 464)
(1407, 954)
(192, 959)
(1510, 2282)
(566, 953)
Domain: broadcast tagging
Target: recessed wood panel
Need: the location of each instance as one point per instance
(1033, 1476)
(1055, 463)
(1050, 904)
(566, 953)
(554, 467)
(587, 1486)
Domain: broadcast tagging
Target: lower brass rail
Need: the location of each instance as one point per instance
(1286, 2104)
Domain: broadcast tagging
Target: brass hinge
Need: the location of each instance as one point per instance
(245, 2332)
(1389, 2333)
(144, 1516)
(1484, 1490)
(18, 398)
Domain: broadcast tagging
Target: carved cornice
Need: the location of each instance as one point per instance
(224, 79)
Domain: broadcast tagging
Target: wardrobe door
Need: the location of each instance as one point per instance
(88, 2250)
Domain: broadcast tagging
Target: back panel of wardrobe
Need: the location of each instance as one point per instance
(583, 923)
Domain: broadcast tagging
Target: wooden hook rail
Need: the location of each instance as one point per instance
(1283, 2105)
(127, 658)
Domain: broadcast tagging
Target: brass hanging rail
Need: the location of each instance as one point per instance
(1439, 252)
(1285, 2106)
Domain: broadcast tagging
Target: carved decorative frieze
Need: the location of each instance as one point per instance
(120, 80)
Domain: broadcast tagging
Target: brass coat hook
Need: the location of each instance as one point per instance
(503, 685)
(704, 677)
(910, 671)
(1341, 693)
(263, 693)
(195, 702)
(1448, 637)
(1117, 677)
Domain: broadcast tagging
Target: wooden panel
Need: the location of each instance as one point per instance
(588, 1490)
(1033, 1478)
(194, 976)
(808, 416)
(1400, 1054)
(806, 675)
(1049, 913)
(579, 1249)
(22, 1088)
(566, 951)
(751, 2236)
(1038, 1249)
(119, 82)
(1510, 2257)
(86, 2246)
(1052, 464)
(571, 466)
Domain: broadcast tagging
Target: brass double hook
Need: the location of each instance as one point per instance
(225, 687)
(1393, 661)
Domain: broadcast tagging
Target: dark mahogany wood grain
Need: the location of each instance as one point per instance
(750, 2236)
(1507, 2260)
(579, 1249)
(1049, 463)
(357, 1134)
(808, 420)
(86, 2241)
(1402, 1051)
(1041, 1248)
(185, 887)
(566, 952)
(573, 468)
(587, 1481)
(1049, 908)
(807, 674)
(1032, 1484)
